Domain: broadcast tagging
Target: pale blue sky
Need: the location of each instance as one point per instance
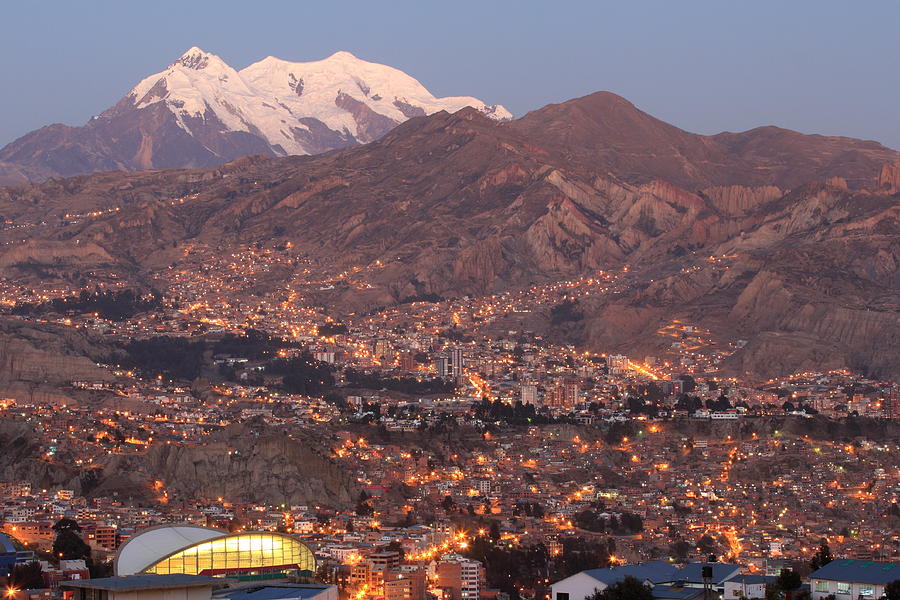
(824, 66)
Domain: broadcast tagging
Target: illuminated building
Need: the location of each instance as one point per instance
(457, 362)
(11, 555)
(528, 394)
(460, 578)
(192, 550)
(616, 364)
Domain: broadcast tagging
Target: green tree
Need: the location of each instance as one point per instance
(630, 588)
(892, 590)
(788, 580)
(494, 531)
(68, 544)
(396, 546)
(822, 557)
(27, 576)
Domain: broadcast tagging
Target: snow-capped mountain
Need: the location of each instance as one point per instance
(201, 112)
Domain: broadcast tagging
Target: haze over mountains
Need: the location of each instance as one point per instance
(785, 240)
(200, 112)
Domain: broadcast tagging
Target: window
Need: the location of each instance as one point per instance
(821, 585)
(241, 551)
(562, 595)
(843, 587)
(866, 590)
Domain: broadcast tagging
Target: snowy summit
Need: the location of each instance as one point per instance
(296, 107)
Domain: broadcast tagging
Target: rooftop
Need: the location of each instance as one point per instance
(274, 592)
(859, 571)
(145, 582)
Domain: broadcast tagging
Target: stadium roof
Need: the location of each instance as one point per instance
(6, 545)
(149, 546)
(144, 582)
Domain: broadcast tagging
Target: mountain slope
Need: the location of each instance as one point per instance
(458, 204)
(606, 133)
(200, 112)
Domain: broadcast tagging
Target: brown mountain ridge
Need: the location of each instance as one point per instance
(459, 204)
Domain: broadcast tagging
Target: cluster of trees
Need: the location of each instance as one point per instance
(566, 311)
(253, 344)
(427, 297)
(579, 554)
(116, 305)
(406, 385)
(822, 557)
(528, 509)
(692, 403)
(789, 406)
(176, 357)
(330, 329)
(363, 508)
(510, 567)
(630, 588)
(303, 374)
(625, 524)
(512, 414)
(786, 584)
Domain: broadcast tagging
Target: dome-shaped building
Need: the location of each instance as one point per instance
(196, 550)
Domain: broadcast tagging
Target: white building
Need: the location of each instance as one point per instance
(853, 579)
(745, 586)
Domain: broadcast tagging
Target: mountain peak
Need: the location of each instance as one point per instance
(199, 111)
(343, 55)
(195, 58)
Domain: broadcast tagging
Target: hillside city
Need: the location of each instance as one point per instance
(470, 447)
(430, 301)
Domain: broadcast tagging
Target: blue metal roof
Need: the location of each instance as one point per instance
(656, 572)
(671, 592)
(858, 571)
(720, 572)
(6, 544)
(274, 592)
(748, 579)
(663, 572)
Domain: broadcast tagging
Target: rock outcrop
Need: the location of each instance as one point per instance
(46, 354)
(271, 468)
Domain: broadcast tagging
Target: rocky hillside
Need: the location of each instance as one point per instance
(260, 466)
(785, 240)
(269, 468)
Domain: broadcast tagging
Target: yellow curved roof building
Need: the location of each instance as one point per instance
(204, 551)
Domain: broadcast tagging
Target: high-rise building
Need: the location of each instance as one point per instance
(571, 393)
(442, 366)
(460, 578)
(616, 363)
(405, 582)
(371, 571)
(528, 394)
(383, 350)
(457, 362)
(407, 363)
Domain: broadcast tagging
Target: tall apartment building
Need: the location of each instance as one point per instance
(460, 578)
(405, 582)
(616, 363)
(528, 394)
(457, 362)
